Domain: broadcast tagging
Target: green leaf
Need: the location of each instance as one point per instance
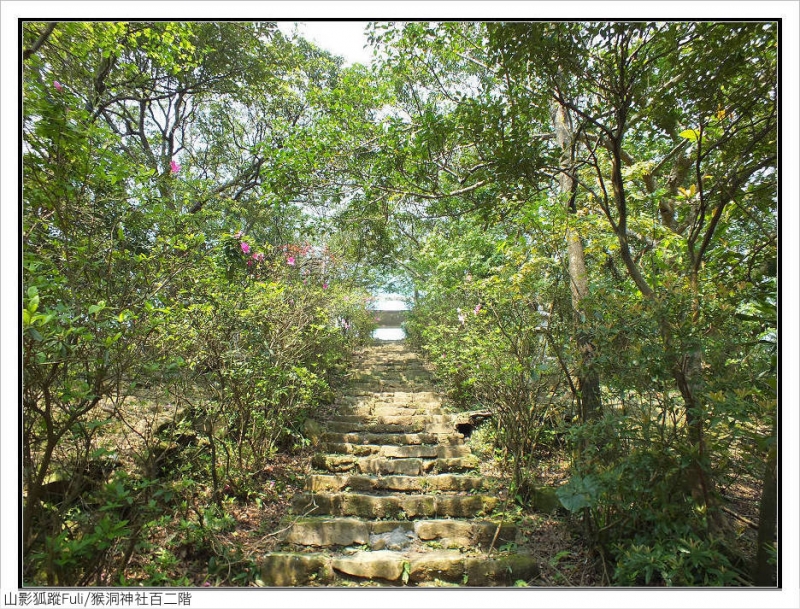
(97, 308)
(690, 134)
(578, 493)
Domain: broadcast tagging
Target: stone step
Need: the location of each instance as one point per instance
(370, 408)
(384, 465)
(357, 374)
(397, 534)
(404, 484)
(409, 398)
(404, 428)
(401, 419)
(397, 439)
(393, 506)
(452, 566)
(421, 451)
(390, 364)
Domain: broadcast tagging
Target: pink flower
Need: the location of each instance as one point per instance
(290, 261)
(238, 234)
(477, 309)
(324, 286)
(245, 248)
(259, 257)
(58, 86)
(174, 167)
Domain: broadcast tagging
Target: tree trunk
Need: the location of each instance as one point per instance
(687, 374)
(588, 380)
(763, 573)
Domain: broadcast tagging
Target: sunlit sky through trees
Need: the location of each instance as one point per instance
(344, 38)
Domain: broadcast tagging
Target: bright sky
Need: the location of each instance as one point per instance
(344, 38)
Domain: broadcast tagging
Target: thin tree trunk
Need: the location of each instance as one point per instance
(588, 380)
(764, 573)
(687, 375)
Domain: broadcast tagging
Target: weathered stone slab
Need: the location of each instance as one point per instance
(440, 529)
(503, 570)
(398, 419)
(392, 506)
(393, 438)
(335, 463)
(465, 533)
(291, 570)
(328, 532)
(379, 465)
(452, 464)
(355, 427)
(348, 448)
(444, 565)
(387, 410)
(407, 484)
(425, 451)
(465, 507)
(452, 482)
(371, 565)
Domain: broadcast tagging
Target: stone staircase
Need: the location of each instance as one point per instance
(395, 497)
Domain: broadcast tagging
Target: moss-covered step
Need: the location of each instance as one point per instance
(403, 484)
(397, 439)
(401, 419)
(390, 466)
(329, 531)
(453, 567)
(287, 569)
(394, 506)
(427, 451)
(368, 408)
(412, 426)
(290, 570)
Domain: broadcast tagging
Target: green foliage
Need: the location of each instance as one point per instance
(141, 303)
(485, 323)
(675, 561)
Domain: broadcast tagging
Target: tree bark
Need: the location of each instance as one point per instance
(29, 52)
(764, 573)
(588, 380)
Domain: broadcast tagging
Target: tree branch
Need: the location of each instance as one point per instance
(29, 52)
